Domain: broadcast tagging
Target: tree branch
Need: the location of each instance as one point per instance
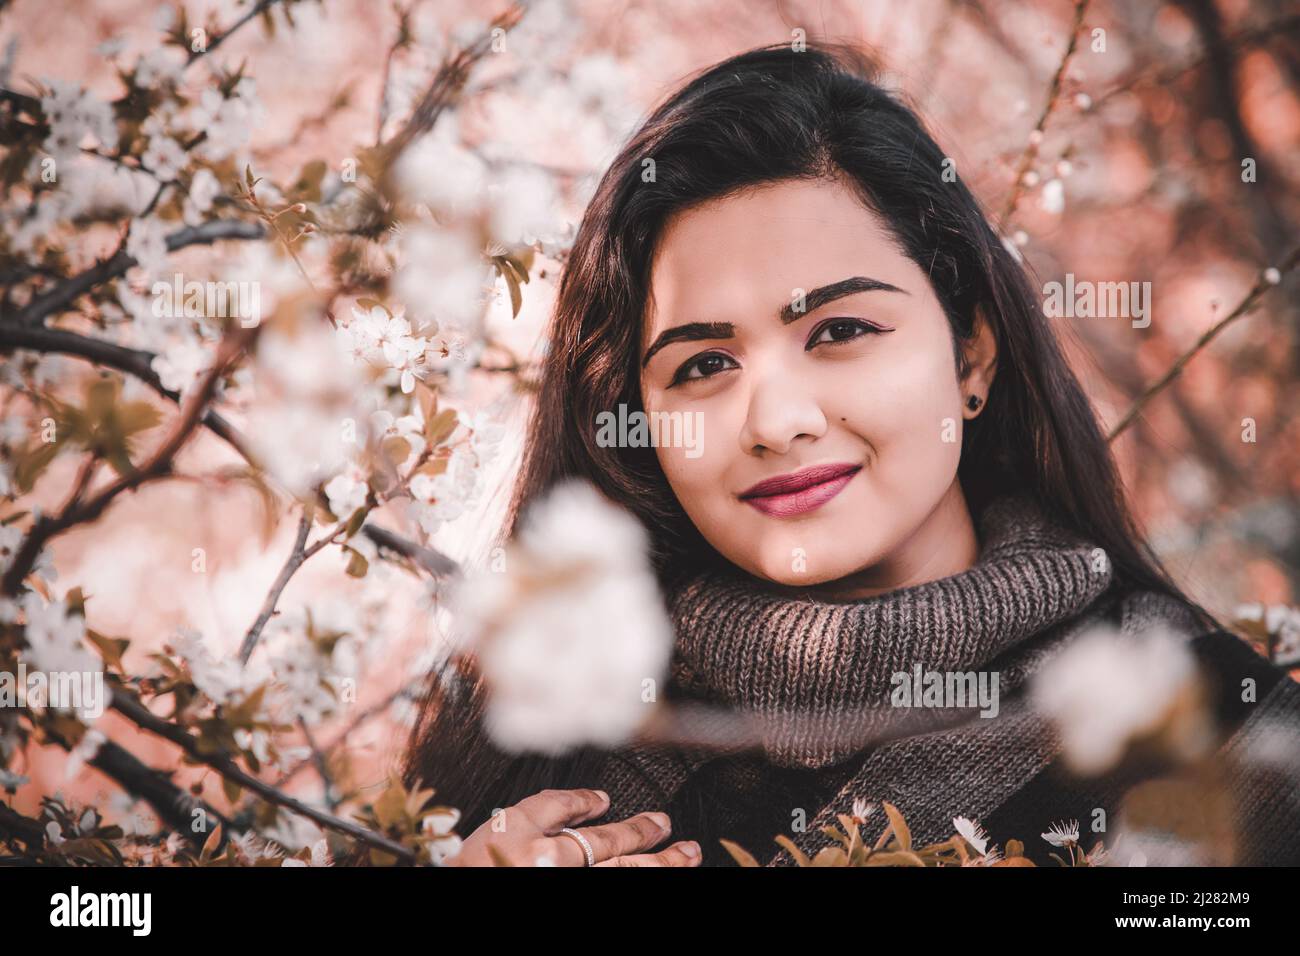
(1053, 95)
(135, 362)
(449, 82)
(296, 557)
(175, 807)
(435, 562)
(260, 7)
(131, 708)
(1246, 306)
(65, 293)
(157, 466)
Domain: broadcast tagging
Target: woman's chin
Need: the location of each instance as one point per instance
(798, 572)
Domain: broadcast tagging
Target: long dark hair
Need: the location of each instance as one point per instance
(773, 114)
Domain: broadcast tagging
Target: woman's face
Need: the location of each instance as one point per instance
(786, 321)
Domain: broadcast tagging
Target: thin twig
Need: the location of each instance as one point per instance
(220, 38)
(322, 765)
(131, 708)
(1246, 306)
(435, 562)
(449, 82)
(1053, 95)
(403, 40)
(374, 710)
(1246, 37)
(296, 557)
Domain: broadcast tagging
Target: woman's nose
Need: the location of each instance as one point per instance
(782, 407)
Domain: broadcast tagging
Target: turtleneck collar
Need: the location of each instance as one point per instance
(813, 674)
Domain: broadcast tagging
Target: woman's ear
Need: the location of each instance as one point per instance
(980, 357)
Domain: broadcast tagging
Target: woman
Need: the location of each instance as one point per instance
(899, 472)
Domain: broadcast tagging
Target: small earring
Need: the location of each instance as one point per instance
(973, 402)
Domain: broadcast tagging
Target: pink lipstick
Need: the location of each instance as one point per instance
(800, 491)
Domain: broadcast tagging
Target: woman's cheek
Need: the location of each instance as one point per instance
(911, 420)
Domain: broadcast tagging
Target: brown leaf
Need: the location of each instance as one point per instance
(901, 830)
(739, 853)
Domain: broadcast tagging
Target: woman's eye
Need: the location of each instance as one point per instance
(709, 364)
(841, 330)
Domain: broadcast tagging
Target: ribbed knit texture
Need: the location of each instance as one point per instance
(801, 684)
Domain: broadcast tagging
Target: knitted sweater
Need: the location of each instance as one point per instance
(805, 693)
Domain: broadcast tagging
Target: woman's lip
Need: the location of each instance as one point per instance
(798, 480)
(802, 500)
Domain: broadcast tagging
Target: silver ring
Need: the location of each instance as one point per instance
(582, 840)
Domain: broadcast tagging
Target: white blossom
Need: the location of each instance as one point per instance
(74, 114)
(443, 276)
(164, 157)
(1052, 198)
(346, 492)
(320, 856)
(445, 497)
(523, 203)
(972, 832)
(570, 633)
(56, 638)
(1107, 688)
(180, 363)
(147, 244)
(223, 681)
(307, 399)
(440, 171)
(204, 188)
(1061, 834)
(228, 121)
(438, 826)
(162, 64)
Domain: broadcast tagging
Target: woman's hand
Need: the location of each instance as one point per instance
(530, 829)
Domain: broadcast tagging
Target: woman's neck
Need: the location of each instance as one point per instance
(944, 544)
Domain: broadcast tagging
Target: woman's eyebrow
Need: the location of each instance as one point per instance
(821, 295)
(815, 299)
(689, 332)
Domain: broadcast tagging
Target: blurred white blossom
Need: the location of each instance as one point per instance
(307, 404)
(74, 114)
(1106, 689)
(443, 276)
(571, 632)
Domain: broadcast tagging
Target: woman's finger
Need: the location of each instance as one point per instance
(609, 840)
(550, 810)
(686, 853)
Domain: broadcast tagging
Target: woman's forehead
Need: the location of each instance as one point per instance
(749, 253)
